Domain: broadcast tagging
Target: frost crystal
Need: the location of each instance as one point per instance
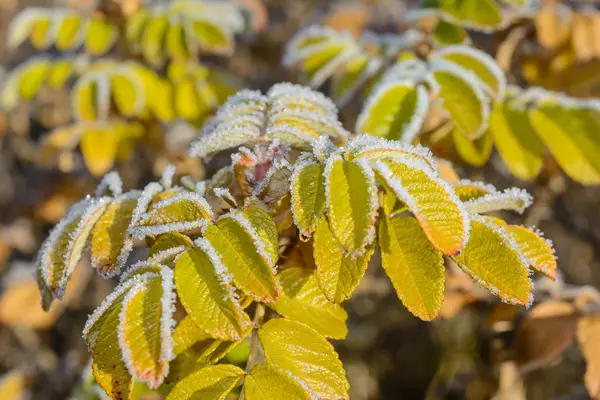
(511, 199)
(220, 269)
(111, 181)
(167, 176)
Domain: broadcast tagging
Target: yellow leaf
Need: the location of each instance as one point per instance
(428, 197)
(206, 294)
(351, 203)
(338, 274)
(414, 266)
(211, 37)
(99, 149)
(100, 36)
(464, 100)
(152, 39)
(162, 102)
(187, 102)
(13, 386)
(475, 152)
(537, 250)
(211, 382)
(136, 24)
(306, 355)
(570, 134)
(303, 300)
(467, 190)
(40, 31)
(110, 244)
(493, 259)
(85, 97)
(307, 187)
(176, 41)
(69, 33)
(588, 335)
(516, 141)
(394, 111)
(145, 329)
(60, 72)
(128, 93)
(244, 254)
(266, 382)
(32, 78)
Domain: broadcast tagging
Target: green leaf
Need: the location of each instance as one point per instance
(213, 382)
(429, 198)
(475, 152)
(462, 98)
(394, 111)
(307, 187)
(266, 382)
(516, 140)
(447, 33)
(168, 246)
(245, 255)
(571, 136)
(111, 244)
(306, 355)
(351, 203)
(493, 259)
(204, 290)
(303, 300)
(537, 250)
(338, 274)
(414, 266)
(145, 329)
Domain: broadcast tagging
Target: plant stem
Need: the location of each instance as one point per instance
(255, 350)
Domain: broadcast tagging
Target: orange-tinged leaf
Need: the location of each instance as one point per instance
(493, 259)
(538, 251)
(439, 211)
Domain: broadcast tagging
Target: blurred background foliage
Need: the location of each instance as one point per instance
(477, 349)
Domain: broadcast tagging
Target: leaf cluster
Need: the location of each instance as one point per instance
(285, 232)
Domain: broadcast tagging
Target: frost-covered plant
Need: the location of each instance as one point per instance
(115, 97)
(285, 232)
(421, 88)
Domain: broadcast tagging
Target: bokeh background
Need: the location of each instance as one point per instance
(477, 349)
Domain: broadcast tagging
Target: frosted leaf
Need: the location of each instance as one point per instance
(275, 185)
(20, 26)
(412, 70)
(394, 44)
(224, 276)
(481, 57)
(111, 185)
(166, 178)
(182, 212)
(487, 187)
(239, 217)
(225, 194)
(375, 148)
(511, 199)
(308, 33)
(469, 78)
(149, 192)
(220, 140)
(285, 93)
(90, 330)
(167, 303)
(413, 126)
(322, 148)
